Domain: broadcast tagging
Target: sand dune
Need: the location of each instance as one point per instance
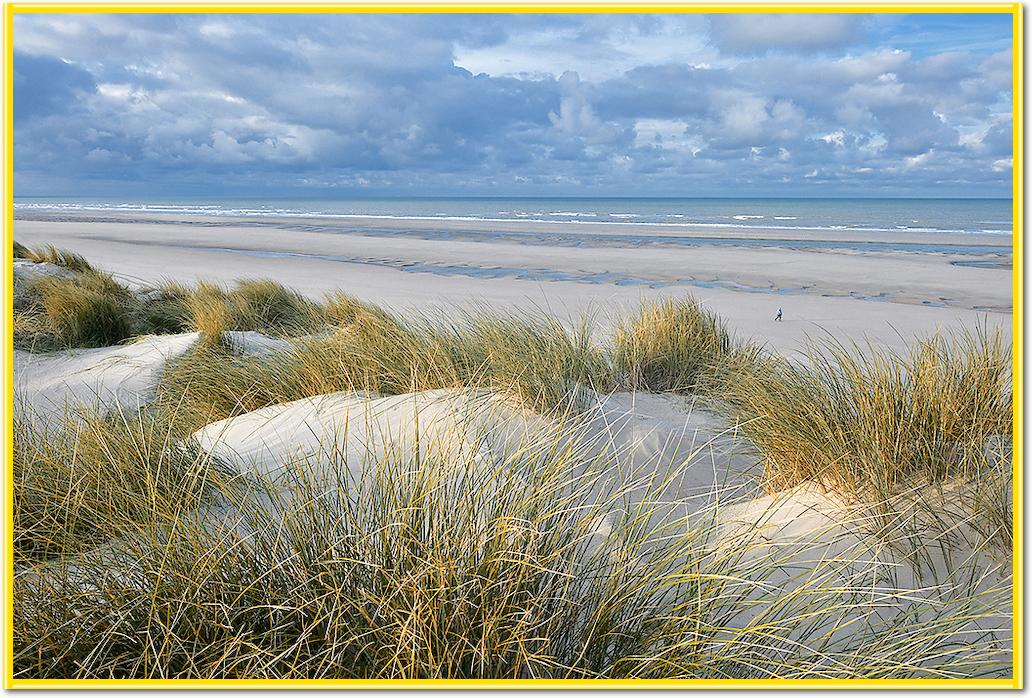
(124, 376)
(808, 575)
(633, 434)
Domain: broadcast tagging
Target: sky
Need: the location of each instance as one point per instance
(512, 105)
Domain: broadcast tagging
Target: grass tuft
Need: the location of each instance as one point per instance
(342, 309)
(212, 382)
(539, 362)
(993, 495)
(870, 422)
(677, 345)
(163, 310)
(85, 310)
(53, 255)
(257, 305)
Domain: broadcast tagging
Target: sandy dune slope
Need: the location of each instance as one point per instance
(125, 376)
(634, 435)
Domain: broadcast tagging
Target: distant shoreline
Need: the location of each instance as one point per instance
(579, 232)
(601, 215)
(870, 287)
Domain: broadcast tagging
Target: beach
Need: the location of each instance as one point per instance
(382, 349)
(445, 438)
(886, 287)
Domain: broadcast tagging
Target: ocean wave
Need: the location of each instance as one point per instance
(198, 209)
(518, 216)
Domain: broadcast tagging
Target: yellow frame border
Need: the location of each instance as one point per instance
(1016, 10)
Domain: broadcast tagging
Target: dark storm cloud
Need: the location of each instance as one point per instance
(563, 104)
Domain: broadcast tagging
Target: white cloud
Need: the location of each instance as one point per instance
(919, 160)
(749, 119)
(217, 30)
(575, 118)
(835, 137)
(1003, 165)
(668, 134)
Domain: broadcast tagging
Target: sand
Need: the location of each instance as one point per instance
(807, 548)
(348, 432)
(632, 436)
(46, 386)
(887, 297)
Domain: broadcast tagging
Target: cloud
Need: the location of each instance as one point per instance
(576, 119)
(746, 119)
(535, 104)
(753, 34)
(596, 47)
(47, 85)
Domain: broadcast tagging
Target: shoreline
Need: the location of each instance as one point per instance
(644, 230)
(887, 296)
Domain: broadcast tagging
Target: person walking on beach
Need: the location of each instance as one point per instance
(777, 318)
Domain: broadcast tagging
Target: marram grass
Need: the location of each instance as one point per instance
(85, 307)
(677, 345)
(90, 476)
(84, 310)
(139, 557)
(854, 418)
(538, 361)
(257, 305)
(867, 421)
(53, 255)
(439, 563)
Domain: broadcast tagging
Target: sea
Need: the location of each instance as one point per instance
(932, 216)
